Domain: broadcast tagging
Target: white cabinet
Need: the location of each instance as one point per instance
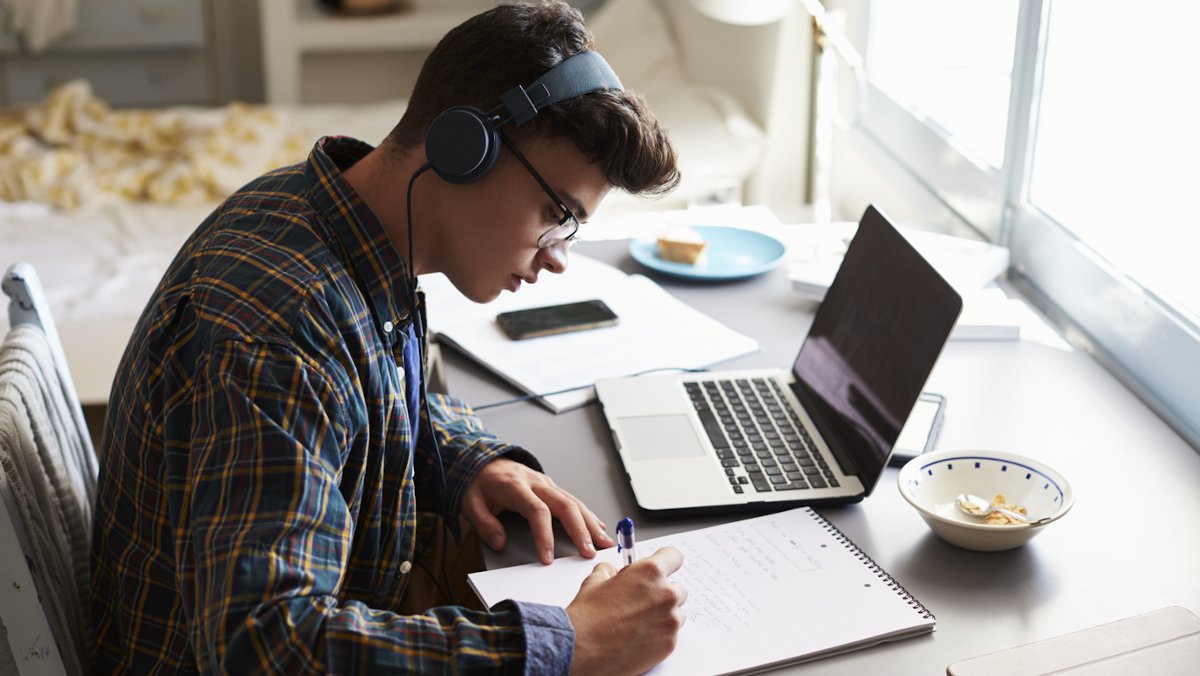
(134, 52)
(293, 30)
(118, 79)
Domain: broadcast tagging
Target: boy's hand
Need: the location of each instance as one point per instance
(508, 485)
(627, 621)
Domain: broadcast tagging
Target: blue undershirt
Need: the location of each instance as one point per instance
(412, 382)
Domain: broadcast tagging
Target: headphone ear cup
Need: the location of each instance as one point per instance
(462, 144)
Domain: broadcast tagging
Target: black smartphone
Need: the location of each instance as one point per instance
(920, 432)
(554, 319)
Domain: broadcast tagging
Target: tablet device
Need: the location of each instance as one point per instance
(920, 432)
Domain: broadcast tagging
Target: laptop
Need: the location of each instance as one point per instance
(817, 434)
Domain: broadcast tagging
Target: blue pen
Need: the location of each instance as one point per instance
(625, 543)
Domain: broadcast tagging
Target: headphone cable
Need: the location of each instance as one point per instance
(412, 273)
(539, 395)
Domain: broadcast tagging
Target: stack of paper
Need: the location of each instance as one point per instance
(654, 331)
(988, 314)
(816, 251)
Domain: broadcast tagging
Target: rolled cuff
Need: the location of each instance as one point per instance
(549, 637)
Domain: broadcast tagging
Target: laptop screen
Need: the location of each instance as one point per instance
(873, 342)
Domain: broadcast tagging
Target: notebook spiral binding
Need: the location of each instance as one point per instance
(879, 572)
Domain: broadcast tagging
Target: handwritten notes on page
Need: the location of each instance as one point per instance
(655, 330)
(762, 592)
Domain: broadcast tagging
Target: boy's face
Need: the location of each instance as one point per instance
(488, 241)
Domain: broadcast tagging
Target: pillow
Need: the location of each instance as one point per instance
(634, 38)
(717, 144)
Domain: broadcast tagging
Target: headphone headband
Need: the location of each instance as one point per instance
(575, 76)
(462, 143)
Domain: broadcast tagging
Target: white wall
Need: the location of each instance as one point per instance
(781, 183)
(766, 68)
(236, 52)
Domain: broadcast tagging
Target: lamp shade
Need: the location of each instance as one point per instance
(744, 12)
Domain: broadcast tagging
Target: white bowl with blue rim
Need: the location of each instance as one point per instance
(932, 482)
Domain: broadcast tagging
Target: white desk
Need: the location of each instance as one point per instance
(1129, 545)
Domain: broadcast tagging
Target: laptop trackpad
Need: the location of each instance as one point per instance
(656, 437)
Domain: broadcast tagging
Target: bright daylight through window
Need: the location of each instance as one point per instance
(1116, 151)
(1068, 131)
(1117, 157)
(949, 63)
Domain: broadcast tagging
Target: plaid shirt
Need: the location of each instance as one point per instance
(258, 498)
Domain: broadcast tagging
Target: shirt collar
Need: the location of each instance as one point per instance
(376, 265)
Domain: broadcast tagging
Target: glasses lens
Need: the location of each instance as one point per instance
(563, 232)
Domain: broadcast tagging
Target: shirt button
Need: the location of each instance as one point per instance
(405, 567)
(387, 327)
(400, 372)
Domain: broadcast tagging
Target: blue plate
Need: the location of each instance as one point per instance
(732, 253)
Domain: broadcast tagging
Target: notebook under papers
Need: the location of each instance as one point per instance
(820, 433)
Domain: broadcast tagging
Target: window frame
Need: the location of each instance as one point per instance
(1148, 344)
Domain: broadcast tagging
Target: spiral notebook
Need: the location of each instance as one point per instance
(762, 592)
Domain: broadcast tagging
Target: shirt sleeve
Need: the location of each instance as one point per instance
(465, 447)
(263, 534)
(549, 637)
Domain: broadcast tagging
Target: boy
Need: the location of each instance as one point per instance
(273, 474)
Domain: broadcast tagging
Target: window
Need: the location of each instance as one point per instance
(957, 80)
(1067, 131)
(1119, 119)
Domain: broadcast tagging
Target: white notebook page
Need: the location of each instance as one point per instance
(770, 590)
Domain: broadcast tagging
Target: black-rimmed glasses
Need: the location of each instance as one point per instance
(568, 226)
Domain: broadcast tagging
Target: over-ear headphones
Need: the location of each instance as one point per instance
(463, 142)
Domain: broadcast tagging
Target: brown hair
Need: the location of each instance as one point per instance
(508, 45)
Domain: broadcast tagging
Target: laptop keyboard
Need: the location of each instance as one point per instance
(757, 436)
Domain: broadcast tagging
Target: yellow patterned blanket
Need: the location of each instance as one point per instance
(73, 151)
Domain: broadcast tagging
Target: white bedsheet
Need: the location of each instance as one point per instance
(100, 264)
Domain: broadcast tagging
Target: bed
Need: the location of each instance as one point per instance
(99, 258)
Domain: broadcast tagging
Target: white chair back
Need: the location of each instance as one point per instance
(48, 474)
